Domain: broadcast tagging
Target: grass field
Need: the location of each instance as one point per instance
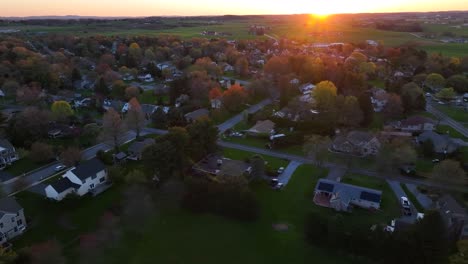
(457, 114)
(444, 129)
(274, 163)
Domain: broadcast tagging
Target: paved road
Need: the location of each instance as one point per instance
(238, 118)
(447, 120)
(329, 165)
(423, 199)
(288, 172)
(399, 192)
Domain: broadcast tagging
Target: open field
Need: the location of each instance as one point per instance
(314, 32)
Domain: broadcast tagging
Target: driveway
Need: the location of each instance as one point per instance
(399, 192)
(423, 199)
(288, 172)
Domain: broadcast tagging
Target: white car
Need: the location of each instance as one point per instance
(59, 167)
(280, 170)
(405, 202)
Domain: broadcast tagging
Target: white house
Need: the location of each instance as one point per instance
(60, 189)
(88, 177)
(12, 219)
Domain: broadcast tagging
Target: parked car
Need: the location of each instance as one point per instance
(435, 160)
(280, 170)
(59, 167)
(407, 211)
(405, 202)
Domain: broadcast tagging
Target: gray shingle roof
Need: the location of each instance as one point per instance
(63, 184)
(9, 205)
(349, 191)
(88, 168)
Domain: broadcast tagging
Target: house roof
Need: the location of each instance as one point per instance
(139, 146)
(262, 127)
(88, 168)
(9, 205)
(442, 143)
(416, 120)
(197, 114)
(348, 192)
(4, 143)
(448, 204)
(63, 184)
(148, 108)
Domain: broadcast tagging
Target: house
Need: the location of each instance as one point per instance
(88, 177)
(417, 124)
(216, 103)
(216, 165)
(148, 109)
(265, 127)
(342, 197)
(8, 153)
(197, 114)
(60, 189)
(306, 88)
(146, 78)
(55, 133)
(136, 148)
(357, 143)
(454, 215)
(12, 219)
(115, 104)
(443, 144)
(379, 99)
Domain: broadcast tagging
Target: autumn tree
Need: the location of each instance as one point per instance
(277, 66)
(450, 172)
(118, 89)
(325, 95)
(132, 92)
(41, 152)
(215, 93)
(113, 128)
(30, 125)
(234, 98)
(29, 95)
(61, 110)
(396, 154)
(71, 156)
(135, 118)
(242, 67)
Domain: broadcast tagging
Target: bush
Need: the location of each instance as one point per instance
(105, 157)
(41, 152)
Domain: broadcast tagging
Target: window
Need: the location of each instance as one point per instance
(91, 186)
(12, 219)
(1, 225)
(17, 214)
(102, 179)
(19, 222)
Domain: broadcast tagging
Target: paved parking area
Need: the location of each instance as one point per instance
(399, 192)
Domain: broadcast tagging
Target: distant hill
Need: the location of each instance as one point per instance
(68, 17)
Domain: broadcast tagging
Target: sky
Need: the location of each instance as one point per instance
(218, 7)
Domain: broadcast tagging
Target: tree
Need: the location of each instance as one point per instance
(367, 108)
(30, 125)
(258, 167)
(118, 89)
(446, 94)
(113, 128)
(159, 118)
(215, 93)
(325, 95)
(160, 158)
(135, 118)
(10, 87)
(234, 98)
(428, 148)
(136, 177)
(203, 136)
(350, 113)
(41, 152)
(29, 95)
(459, 82)
(435, 81)
(71, 156)
(316, 147)
(242, 67)
(393, 108)
(412, 97)
(101, 87)
(450, 172)
(46, 252)
(395, 154)
(132, 92)
(61, 110)
(135, 54)
(461, 256)
(277, 66)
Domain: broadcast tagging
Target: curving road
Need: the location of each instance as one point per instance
(447, 120)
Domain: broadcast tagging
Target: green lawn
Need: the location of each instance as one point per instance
(412, 198)
(274, 163)
(457, 114)
(261, 142)
(177, 236)
(148, 97)
(389, 206)
(443, 129)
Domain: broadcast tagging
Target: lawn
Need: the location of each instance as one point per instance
(389, 206)
(444, 129)
(177, 236)
(148, 97)
(457, 114)
(274, 163)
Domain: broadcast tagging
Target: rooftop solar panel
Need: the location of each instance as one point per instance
(373, 197)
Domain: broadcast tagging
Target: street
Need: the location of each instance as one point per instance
(447, 120)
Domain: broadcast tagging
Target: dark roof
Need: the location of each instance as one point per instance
(416, 120)
(88, 168)
(63, 184)
(9, 205)
(120, 156)
(197, 114)
(137, 147)
(6, 144)
(349, 191)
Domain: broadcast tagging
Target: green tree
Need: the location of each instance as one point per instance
(118, 89)
(446, 94)
(258, 167)
(350, 113)
(435, 81)
(413, 98)
(159, 118)
(61, 110)
(203, 136)
(325, 95)
(459, 82)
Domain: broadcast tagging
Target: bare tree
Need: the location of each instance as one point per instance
(71, 156)
(135, 118)
(113, 128)
(449, 171)
(316, 148)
